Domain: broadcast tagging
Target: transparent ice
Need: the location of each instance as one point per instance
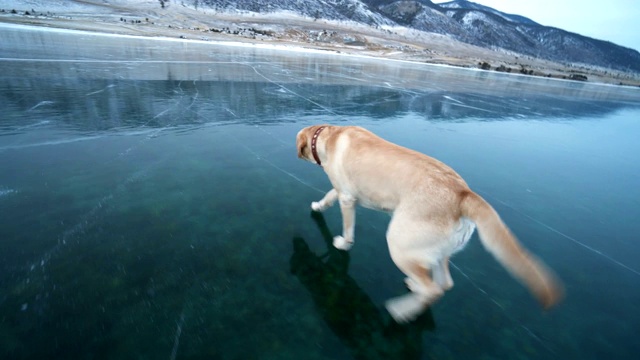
(152, 205)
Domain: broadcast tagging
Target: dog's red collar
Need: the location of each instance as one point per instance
(314, 152)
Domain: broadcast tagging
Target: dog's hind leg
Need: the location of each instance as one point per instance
(424, 291)
(408, 256)
(441, 274)
(326, 202)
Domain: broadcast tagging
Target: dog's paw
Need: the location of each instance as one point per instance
(340, 243)
(315, 206)
(405, 308)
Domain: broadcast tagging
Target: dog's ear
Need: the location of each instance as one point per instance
(301, 143)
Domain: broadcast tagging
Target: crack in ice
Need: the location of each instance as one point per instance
(529, 331)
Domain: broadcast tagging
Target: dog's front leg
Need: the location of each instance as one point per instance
(348, 209)
(326, 201)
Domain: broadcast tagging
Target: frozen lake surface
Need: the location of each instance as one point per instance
(152, 205)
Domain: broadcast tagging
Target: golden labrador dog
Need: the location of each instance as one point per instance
(433, 212)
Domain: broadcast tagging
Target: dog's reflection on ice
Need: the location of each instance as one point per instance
(368, 332)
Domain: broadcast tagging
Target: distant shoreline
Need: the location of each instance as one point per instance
(301, 34)
(278, 46)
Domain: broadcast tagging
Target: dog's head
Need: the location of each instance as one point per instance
(303, 142)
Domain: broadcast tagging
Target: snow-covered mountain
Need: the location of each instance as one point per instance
(490, 28)
(464, 20)
(462, 4)
(354, 10)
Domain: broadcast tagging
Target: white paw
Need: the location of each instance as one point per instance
(405, 308)
(315, 206)
(340, 243)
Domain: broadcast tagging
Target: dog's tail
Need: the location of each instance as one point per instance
(504, 246)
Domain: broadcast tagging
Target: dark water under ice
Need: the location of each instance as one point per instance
(152, 205)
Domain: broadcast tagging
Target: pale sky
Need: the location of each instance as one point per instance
(617, 21)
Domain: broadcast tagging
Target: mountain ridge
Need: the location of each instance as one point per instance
(463, 20)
